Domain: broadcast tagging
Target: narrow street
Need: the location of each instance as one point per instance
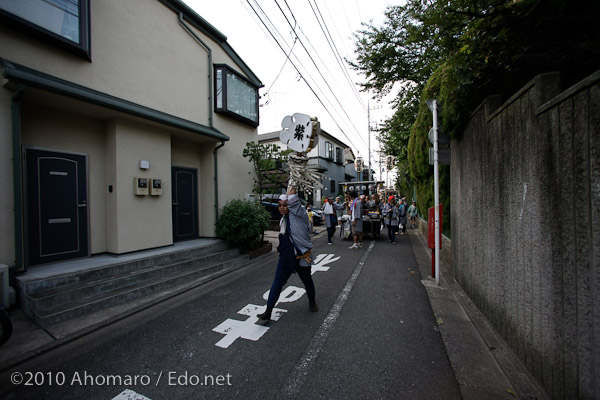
(374, 336)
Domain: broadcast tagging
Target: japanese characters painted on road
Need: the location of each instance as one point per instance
(234, 329)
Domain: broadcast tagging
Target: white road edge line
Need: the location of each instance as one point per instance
(303, 366)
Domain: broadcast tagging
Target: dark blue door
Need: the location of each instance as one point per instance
(185, 203)
(57, 218)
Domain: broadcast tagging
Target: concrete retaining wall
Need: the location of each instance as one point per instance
(525, 183)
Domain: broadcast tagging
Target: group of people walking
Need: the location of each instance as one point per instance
(396, 215)
(295, 245)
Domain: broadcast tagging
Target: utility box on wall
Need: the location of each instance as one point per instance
(156, 187)
(140, 186)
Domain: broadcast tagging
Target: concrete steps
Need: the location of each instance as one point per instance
(125, 286)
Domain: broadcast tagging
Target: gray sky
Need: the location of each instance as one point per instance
(344, 110)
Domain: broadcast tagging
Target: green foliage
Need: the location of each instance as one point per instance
(459, 52)
(241, 224)
(264, 158)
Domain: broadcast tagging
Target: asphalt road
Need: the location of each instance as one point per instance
(374, 337)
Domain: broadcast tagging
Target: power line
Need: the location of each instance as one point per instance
(283, 66)
(335, 51)
(311, 58)
(301, 75)
(349, 81)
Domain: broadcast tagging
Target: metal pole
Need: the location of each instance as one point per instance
(369, 133)
(436, 184)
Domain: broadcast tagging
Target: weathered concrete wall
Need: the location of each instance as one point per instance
(526, 227)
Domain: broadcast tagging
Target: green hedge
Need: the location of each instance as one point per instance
(242, 223)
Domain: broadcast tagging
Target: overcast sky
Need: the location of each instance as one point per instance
(324, 28)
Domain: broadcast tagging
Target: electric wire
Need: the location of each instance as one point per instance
(349, 81)
(313, 61)
(301, 75)
(335, 51)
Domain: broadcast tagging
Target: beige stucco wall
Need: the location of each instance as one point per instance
(7, 226)
(234, 180)
(134, 47)
(65, 132)
(141, 221)
(164, 69)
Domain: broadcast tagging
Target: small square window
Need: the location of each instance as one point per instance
(63, 23)
(235, 96)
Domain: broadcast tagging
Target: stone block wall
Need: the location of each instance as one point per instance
(525, 184)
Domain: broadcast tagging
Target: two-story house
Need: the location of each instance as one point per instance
(121, 127)
(331, 157)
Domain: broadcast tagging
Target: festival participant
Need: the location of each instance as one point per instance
(294, 250)
(391, 215)
(330, 219)
(357, 221)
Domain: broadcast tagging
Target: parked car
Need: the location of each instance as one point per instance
(271, 207)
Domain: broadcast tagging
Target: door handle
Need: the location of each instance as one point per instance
(82, 205)
(175, 204)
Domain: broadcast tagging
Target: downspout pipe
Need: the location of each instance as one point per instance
(210, 107)
(15, 106)
(217, 181)
(210, 69)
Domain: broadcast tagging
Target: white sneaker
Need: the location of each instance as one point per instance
(360, 245)
(354, 246)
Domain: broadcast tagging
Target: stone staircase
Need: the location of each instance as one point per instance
(118, 289)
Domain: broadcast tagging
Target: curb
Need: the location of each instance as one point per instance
(484, 366)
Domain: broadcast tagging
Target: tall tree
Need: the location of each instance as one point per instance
(461, 51)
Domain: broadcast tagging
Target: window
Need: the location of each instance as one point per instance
(235, 96)
(339, 155)
(63, 23)
(329, 150)
(333, 188)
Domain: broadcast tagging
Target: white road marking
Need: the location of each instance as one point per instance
(321, 261)
(129, 394)
(234, 329)
(302, 368)
(248, 329)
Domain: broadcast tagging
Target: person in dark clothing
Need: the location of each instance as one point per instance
(294, 250)
(330, 219)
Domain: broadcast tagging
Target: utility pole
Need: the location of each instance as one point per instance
(369, 126)
(433, 106)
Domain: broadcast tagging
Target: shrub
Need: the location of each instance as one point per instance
(242, 223)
